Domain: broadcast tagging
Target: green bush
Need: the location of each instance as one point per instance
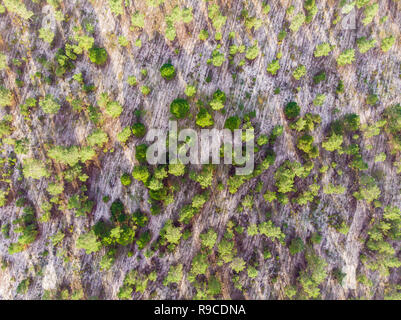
(364, 45)
(305, 143)
(145, 90)
(6, 97)
(176, 169)
(334, 189)
(299, 72)
(174, 275)
(314, 274)
(186, 214)
(286, 173)
(219, 98)
(368, 189)
(297, 22)
(217, 58)
(292, 110)
(126, 179)
(269, 230)
(296, 246)
(322, 50)
(387, 43)
(352, 122)
(116, 7)
(35, 169)
(98, 56)
(321, 76)
(372, 99)
(252, 52)
(167, 71)
(124, 135)
(171, 233)
(332, 143)
(88, 242)
(138, 19)
(226, 250)
(370, 12)
(209, 238)
(361, 3)
(262, 140)
(114, 109)
(97, 137)
(141, 173)
(18, 7)
(205, 177)
(139, 130)
(3, 61)
(132, 81)
(232, 123)
(190, 91)
(203, 35)
(273, 67)
(49, 104)
(140, 152)
(204, 118)
(346, 57)
(319, 99)
(46, 35)
(238, 264)
(218, 20)
(179, 108)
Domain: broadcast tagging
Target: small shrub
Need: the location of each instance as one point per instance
(49, 104)
(98, 56)
(346, 57)
(319, 99)
(114, 109)
(387, 43)
(321, 76)
(145, 90)
(88, 242)
(322, 50)
(203, 35)
(124, 135)
(35, 169)
(252, 52)
(297, 22)
(219, 98)
(126, 179)
(364, 45)
(292, 110)
(273, 67)
(232, 123)
(167, 71)
(3, 61)
(138, 19)
(141, 173)
(46, 35)
(140, 152)
(190, 91)
(296, 246)
(204, 118)
(299, 72)
(132, 81)
(97, 137)
(6, 97)
(372, 99)
(179, 108)
(139, 130)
